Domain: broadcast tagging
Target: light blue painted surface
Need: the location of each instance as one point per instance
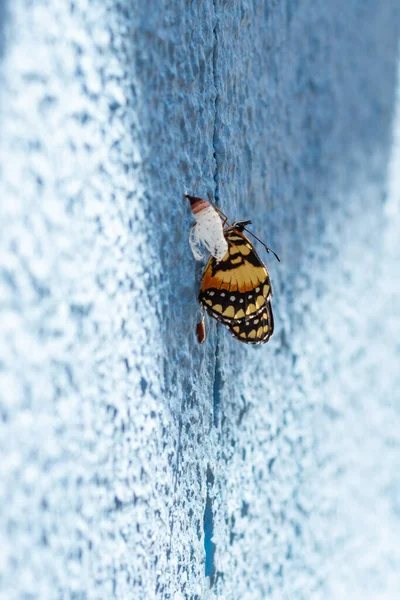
(118, 476)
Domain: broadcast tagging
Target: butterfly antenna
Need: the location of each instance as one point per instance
(219, 211)
(268, 249)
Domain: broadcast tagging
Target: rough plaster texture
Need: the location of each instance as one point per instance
(135, 463)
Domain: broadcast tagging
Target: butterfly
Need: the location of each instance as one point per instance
(236, 290)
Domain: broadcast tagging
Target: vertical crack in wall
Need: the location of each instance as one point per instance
(208, 524)
(216, 103)
(217, 373)
(217, 384)
(208, 521)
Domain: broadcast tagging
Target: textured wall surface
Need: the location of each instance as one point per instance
(136, 464)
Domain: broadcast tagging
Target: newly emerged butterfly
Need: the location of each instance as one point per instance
(236, 288)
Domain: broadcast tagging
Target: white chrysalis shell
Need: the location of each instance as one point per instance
(207, 230)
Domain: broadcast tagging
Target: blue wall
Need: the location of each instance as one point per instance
(136, 463)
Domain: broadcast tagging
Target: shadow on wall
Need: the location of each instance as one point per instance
(283, 108)
(305, 97)
(3, 22)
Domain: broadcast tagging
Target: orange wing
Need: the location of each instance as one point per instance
(237, 290)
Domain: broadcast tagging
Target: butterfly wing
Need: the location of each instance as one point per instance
(257, 330)
(237, 289)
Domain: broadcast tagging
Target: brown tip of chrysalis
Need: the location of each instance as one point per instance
(197, 204)
(201, 331)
